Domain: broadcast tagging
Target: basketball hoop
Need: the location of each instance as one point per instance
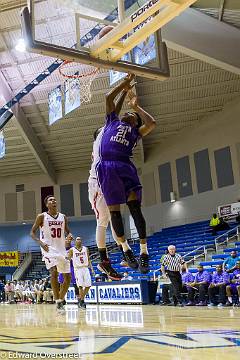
(85, 74)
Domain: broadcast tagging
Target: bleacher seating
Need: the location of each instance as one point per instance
(186, 238)
(37, 269)
(222, 257)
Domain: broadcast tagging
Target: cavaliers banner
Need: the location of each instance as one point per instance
(9, 258)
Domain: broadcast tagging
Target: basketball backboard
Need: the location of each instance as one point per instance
(68, 29)
(64, 22)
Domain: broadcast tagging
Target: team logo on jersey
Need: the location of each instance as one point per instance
(55, 223)
(80, 254)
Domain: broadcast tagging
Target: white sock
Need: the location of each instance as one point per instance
(230, 299)
(125, 246)
(143, 249)
(58, 301)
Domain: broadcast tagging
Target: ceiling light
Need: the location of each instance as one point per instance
(21, 45)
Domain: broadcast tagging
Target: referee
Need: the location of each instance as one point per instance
(172, 265)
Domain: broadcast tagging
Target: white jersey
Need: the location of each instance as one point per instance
(80, 258)
(52, 233)
(95, 156)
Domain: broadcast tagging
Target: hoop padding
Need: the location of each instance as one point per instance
(85, 74)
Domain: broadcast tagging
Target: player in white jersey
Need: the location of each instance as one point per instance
(81, 263)
(53, 228)
(99, 205)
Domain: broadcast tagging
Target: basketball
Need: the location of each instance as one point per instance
(105, 31)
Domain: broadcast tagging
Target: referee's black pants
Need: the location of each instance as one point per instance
(176, 280)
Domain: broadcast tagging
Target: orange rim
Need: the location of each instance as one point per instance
(75, 76)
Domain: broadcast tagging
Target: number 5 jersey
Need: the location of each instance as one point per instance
(80, 257)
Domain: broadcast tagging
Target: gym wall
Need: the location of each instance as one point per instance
(201, 165)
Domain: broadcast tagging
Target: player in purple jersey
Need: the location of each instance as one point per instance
(234, 286)
(99, 204)
(117, 175)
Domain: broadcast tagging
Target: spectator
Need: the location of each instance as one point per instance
(2, 292)
(32, 296)
(234, 287)
(9, 292)
(18, 291)
(27, 292)
(187, 280)
(202, 280)
(39, 291)
(35, 289)
(126, 277)
(229, 264)
(220, 280)
(223, 225)
(47, 292)
(214, 222)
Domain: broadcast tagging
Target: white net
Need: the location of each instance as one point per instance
(84, 74)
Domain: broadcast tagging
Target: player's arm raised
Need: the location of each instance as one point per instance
(37, 224)
(111, 95)
(120, 100)
(149, 122)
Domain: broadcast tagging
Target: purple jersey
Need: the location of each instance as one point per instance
(187, 277)
(118, 140)
(223, 277)
(236, 276)
(202, 276)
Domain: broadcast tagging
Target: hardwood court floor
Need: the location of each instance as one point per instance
(119, 332)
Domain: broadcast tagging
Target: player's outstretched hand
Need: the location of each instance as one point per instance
(133, 102)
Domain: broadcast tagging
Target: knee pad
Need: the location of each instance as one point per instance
(117, 223)
(139, 221)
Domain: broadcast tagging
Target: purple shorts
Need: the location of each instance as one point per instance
(117, 179)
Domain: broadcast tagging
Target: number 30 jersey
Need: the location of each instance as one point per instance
(80, 257)
(52, 232)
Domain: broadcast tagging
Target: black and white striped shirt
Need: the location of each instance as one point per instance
(173, 262)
